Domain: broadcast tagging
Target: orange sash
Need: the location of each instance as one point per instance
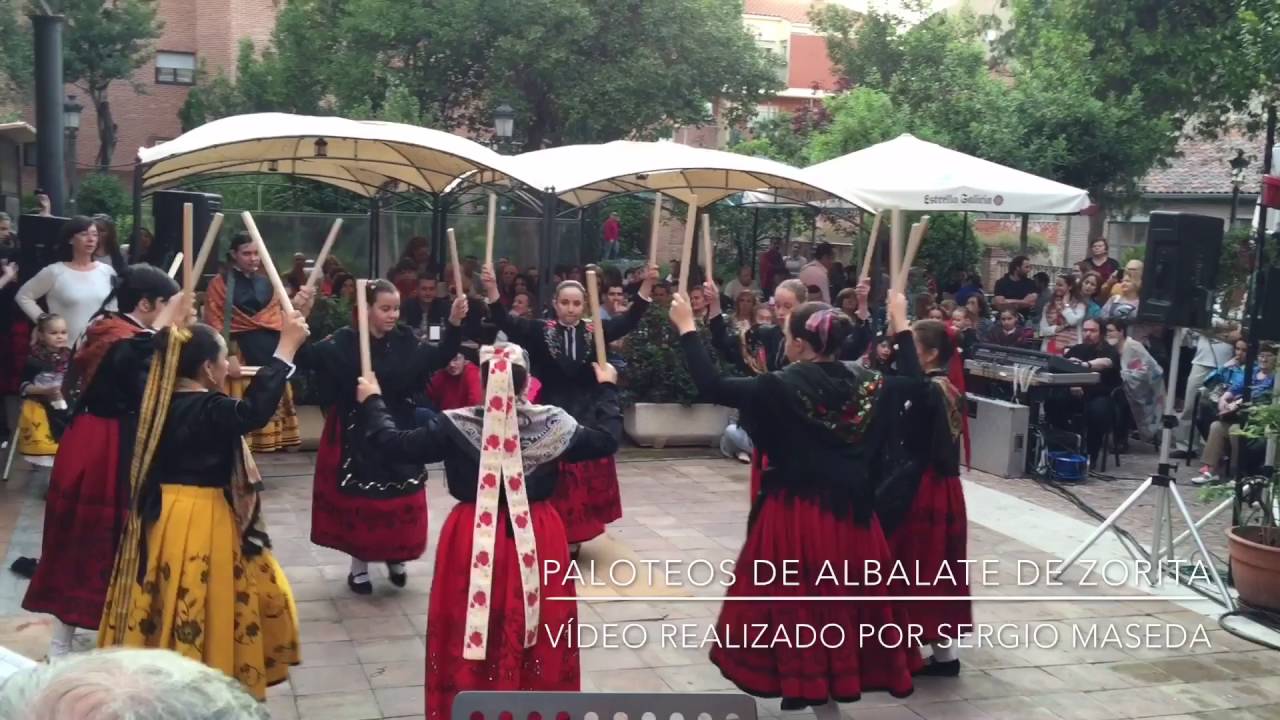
(268, 318)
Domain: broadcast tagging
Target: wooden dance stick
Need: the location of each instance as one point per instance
(457, 269)
(317, 270)
(686, 252)
(913, 245)
(597, 324)
(268, 266)
(362, 320)
(653, 229)
(895, 249)
(175, 265)
(488, 233)
(708, 249)
(188, 244)
(210, 240)
(871, 248)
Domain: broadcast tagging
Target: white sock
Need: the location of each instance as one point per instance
(830, 710)
(395, 568)
(60, 641)
(945, 651)
(359, 570)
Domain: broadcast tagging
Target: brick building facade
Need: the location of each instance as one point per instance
(197, 33)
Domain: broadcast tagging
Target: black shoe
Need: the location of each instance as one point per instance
(939, 669)
(359, 588)
(397, 579)
(24, 567)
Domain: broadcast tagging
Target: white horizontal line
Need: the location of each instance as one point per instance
(890, 598)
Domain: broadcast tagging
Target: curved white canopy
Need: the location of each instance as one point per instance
(584, 174)
(360, 156)
(907, 173)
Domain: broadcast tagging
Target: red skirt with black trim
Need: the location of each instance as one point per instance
(83, 517)
(551, 664)
(587, 497)
(761, 643)
(366, 528)
(933, 540)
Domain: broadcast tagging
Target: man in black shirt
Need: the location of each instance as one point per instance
(1091, 402)
(1016, 291)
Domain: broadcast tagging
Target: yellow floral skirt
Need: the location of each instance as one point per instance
(35, 436)
(279, 434)
(205, 600)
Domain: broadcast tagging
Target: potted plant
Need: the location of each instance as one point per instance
(660, 405)
(1254, 545)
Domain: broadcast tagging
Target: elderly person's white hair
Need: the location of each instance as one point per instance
(122, 684)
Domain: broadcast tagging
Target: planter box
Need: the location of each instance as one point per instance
(660, 424)
(1255, 566)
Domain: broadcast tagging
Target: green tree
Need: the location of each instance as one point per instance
(103, 193)
(16, 72)
(859, 118)
(103, 43)
(560, 64)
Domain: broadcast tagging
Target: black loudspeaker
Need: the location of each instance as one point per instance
(166, 211)
(1180, 272)
(38, 244)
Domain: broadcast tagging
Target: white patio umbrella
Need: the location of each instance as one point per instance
(907, 173)
(359, 156)
(584, 174)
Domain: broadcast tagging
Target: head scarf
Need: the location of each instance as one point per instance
(500, 462)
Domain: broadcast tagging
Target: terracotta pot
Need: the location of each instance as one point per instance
(1255, 565)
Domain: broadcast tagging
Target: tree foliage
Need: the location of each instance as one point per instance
(562, 65)
(103, 43)
(16, 73)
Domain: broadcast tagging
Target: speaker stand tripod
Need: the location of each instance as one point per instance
(1165, 488)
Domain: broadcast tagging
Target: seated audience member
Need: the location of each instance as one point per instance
(743, 282)
(1042, 296)
(1143, 381)
(456, 385)
(421, 312)
(1010, 332)
(1231, 409)
(979, 314)
(1218, 382)
(882, 357)
(1090, 404)
(972, 286)
(132, 684)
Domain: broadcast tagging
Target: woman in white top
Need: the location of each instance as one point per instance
(74, 289)
(1060, 323)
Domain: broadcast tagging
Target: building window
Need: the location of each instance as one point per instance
(30, 155)
(175, 68)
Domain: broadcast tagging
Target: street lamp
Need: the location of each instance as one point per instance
(71, 126)
(1238, 165)
(504, 124)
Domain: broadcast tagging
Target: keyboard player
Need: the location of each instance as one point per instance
(1088, 410)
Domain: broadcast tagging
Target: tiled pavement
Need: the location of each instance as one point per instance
(364, 657)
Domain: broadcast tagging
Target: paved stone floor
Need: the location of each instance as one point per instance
(363, 658)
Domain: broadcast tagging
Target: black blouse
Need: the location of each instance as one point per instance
(440, 441)
(562, 356)
(842, 475)
(121, 378)
(403, 365)
(203, 429)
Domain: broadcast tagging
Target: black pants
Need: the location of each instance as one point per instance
(1090, 417)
